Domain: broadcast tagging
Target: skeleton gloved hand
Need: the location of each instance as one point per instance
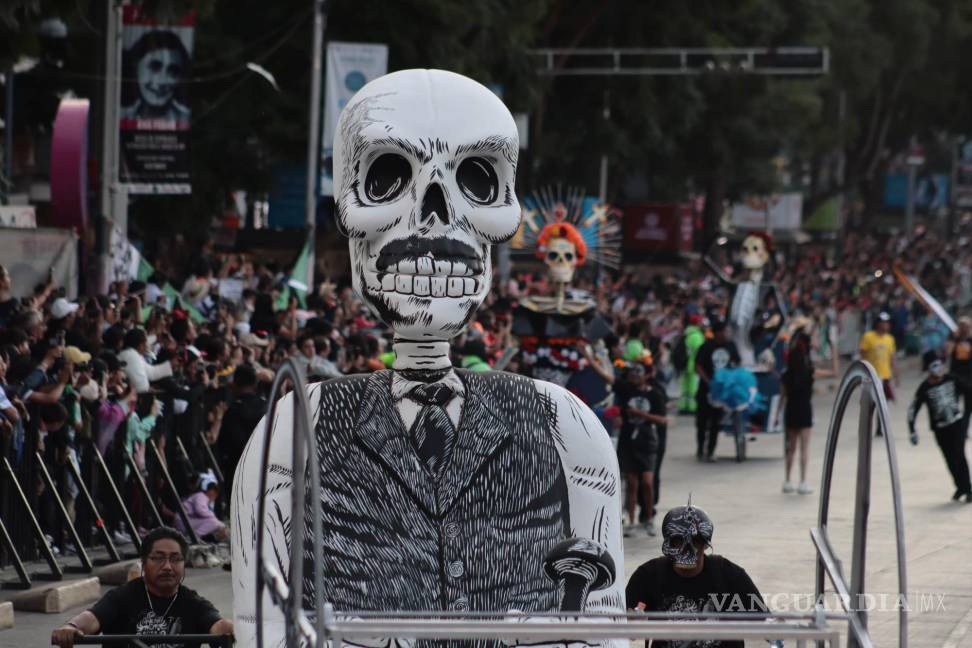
(580, 566)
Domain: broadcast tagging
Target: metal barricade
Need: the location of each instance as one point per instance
(335, 626)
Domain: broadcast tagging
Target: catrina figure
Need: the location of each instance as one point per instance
(558, 333)
(757, 312)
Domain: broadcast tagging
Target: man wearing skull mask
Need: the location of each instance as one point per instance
(685, 579)
(944, 393)
(717, 353)
(441, 489)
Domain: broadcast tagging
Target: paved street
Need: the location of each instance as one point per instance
(767, 532)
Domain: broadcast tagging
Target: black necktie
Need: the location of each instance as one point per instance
(432, 431)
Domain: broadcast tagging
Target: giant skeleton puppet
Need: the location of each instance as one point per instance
(756, 314)
(442, 490)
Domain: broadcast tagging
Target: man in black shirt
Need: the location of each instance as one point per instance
(642, 413)
(242, 417)
(156, 603)
(942, 392)
(684, 579)
(719, 352)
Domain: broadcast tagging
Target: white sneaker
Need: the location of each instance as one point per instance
(804, 488)
(121, 537)
(650, 528)
(629, 530)
(788, 487)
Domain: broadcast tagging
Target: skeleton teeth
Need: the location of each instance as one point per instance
(406, 267)
(438, 286)
(443, 268)
(455, 286)
(403, 284)
(388, 282)
(420, 285)
(424, 265)
(460, 269)
(468, 286)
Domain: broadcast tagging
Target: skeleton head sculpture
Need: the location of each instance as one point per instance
(562, 248)
(680, 529)
(424, 164)
(756, 250)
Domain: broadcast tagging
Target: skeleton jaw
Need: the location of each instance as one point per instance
(426, 276)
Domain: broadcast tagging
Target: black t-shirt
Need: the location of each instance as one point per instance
(125, 610)
(722, 586)
(713, 355)
(635, 430)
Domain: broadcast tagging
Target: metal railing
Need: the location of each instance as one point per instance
(334, 626)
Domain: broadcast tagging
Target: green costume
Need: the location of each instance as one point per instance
(694, 337)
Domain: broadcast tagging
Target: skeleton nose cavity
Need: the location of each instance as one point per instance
(434, 205)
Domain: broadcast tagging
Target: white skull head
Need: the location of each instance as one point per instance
(561, 259)
(755, 253)
(424, 165)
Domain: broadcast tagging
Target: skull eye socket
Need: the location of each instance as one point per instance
(478, 180)
(569, 256)
(552, 256)
(387, 178)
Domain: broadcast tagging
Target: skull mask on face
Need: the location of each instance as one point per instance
(562, 248)
(424, 165)
(755, 251)
(682, 526)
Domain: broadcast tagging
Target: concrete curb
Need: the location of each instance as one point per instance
(52, 598)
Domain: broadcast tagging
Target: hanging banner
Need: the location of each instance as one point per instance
(154, 117)
(774, 213)
(33, 255)
(349, 67)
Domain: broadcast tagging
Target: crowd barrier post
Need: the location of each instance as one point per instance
(143, 488)
(211, 457)
(59, 504)
(56, 572)
(22, 575)
(125, 514)
(181, 510)
(99, 521)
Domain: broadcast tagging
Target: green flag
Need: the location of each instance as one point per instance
(301, 279)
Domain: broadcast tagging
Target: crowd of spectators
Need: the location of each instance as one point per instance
(152, 380)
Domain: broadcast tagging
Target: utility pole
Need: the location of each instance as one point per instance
(313, 138)
(112, 213)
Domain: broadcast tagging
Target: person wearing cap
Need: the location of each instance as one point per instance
(718, 352)
(878, 348)
(684, 579)
(942, 392)
(61, 309)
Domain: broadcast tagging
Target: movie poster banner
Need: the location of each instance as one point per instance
(154, 116)
(349, 66)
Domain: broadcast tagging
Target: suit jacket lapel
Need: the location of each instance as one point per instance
(482, 429)
(379, 428)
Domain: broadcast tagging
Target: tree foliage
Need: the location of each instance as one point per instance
(898, 71)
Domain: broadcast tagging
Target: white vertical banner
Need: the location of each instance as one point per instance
(349, 66)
